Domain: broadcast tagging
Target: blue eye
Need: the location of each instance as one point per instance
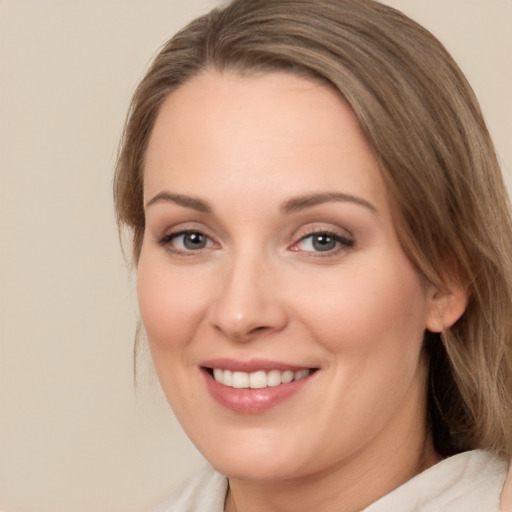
(186, 241)
(323, 242)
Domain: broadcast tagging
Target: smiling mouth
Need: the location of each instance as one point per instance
(254, 386)
(258, 379)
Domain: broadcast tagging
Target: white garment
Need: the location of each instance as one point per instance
(467, 482)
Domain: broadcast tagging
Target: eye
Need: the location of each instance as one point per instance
(322, 241)
(186, 241)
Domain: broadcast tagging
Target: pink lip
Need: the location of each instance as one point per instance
(251, 401)
(252, 365)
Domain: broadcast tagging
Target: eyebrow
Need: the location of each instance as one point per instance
(291, 205)
(299, 203)
(181, 200)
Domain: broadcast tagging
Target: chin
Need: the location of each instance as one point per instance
(254, 468)
(258, 459)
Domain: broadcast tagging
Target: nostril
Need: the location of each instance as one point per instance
(260, 328)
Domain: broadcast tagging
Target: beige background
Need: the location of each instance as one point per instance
(74, 433)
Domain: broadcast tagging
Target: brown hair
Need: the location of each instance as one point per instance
(421, 116)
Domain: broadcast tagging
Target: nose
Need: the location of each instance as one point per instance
(249, 300)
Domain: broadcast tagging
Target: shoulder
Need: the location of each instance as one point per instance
(467, 482)
(204, 490)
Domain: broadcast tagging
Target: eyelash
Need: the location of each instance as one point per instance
(342, 242)
(167, 239)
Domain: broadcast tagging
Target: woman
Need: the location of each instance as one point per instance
(323, 243)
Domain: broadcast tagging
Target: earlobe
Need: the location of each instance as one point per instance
(445, 308)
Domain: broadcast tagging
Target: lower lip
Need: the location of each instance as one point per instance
(252, 401)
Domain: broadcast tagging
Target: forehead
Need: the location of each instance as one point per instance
(274, 133)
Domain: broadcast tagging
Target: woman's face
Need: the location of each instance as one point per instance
(270, 254)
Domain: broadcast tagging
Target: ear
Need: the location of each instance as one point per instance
(446, 307)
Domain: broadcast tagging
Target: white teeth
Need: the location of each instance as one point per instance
(301, 373)
(288, 376)
(227, 377)
(218, 374)
(257, 380)
(240, 380)
(273, 378)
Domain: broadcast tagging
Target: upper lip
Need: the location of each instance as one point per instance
(251, 365)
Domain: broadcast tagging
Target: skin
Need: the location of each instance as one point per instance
(260, 288)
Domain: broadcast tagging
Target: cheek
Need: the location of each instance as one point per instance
(372, 326)
(363, 312)
(170, 303)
